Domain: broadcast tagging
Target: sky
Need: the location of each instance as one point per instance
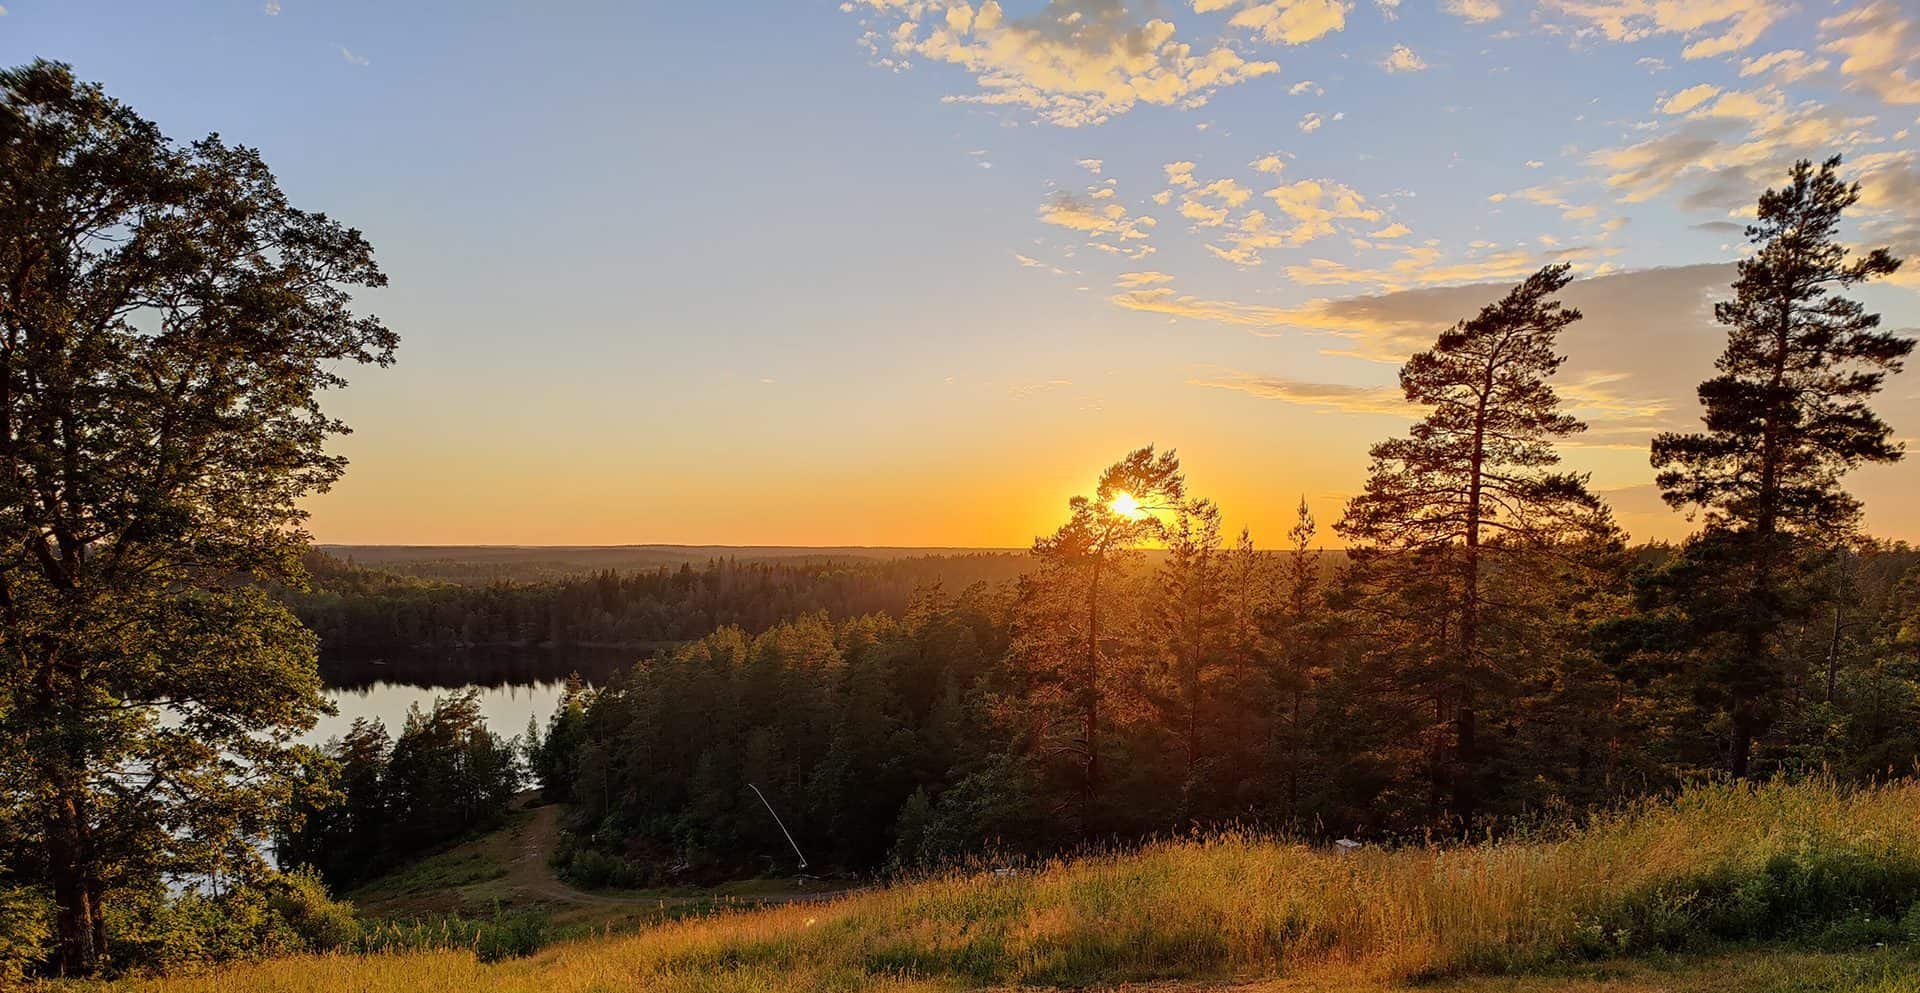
(910, 272)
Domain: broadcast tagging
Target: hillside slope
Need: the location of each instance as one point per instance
(1806, 867)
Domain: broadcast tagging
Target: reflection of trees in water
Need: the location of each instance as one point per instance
(455, 668)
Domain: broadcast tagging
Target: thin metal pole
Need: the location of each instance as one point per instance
(783, 824)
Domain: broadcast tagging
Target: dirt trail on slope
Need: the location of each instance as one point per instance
(531, 872)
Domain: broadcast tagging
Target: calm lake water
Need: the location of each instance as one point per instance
(506, 707)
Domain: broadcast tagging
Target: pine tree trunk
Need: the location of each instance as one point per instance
(1465, 757)
(1091, 731)
(1742, 750)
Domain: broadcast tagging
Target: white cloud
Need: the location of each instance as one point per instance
(1789, 65)
(1403, 59)
(1337, 397)
(1306, 87)
(1473, 10)
(1091, 165)
(1711, 27)
(1074, 63)
(1311, 123)
(1288, 22)
(352, 59)
(1879, 49)
(1689, 98)
(272, 9)
(1108, 226)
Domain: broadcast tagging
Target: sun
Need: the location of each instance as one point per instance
(1126, 506)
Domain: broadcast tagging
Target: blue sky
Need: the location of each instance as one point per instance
(910, 271)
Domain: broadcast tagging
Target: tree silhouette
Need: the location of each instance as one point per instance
(1786, 418)
(167, 323)
(1476, 467)
(1062, 638)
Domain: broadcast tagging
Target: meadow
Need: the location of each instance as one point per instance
(1783, 886)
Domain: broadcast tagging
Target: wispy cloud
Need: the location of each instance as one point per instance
(1338, 397)
(1879, 48)
(1710, 27)
(352, 59)
(1074, 63)
(1283, 22)
(1473, 10)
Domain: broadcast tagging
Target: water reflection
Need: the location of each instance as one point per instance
(513, 685)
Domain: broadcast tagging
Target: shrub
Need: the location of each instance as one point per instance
(23, 932)
(319, 923)
(593, 869)
(508, 934)
(156, 931)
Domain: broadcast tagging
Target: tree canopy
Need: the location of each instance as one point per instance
(168, 324)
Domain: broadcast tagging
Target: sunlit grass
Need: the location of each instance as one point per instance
(1809, 863)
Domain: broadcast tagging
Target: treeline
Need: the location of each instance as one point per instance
(356, 610)
(1271, 699)
(372, 801)
(1489, 651)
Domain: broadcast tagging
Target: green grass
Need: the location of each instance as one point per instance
(452, 880)
(1799, 881)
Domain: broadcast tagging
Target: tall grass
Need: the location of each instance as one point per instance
(1810, 863)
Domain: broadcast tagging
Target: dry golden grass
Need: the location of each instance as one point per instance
(1228, 909)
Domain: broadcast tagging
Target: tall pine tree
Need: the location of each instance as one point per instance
(1785, 420)
(1473, 478)
(1063, 640)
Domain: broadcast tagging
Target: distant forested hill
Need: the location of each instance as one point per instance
(359, 610)
(532, 563)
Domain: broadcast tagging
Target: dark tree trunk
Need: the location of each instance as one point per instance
(1090, 786)
(1740, 759)
(79, 937)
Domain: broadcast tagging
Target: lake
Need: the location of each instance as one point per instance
(514, 684)
(506, 707)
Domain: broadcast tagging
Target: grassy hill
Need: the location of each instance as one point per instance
(1780, 888)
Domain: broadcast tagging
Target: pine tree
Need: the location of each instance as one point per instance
(1301, 633)
(1472, 479)
(1187, 637)
(1785, 420)
(1062, 638)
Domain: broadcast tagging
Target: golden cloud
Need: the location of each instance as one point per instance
(1075, 63)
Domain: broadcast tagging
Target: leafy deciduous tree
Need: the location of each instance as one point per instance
(168, 322)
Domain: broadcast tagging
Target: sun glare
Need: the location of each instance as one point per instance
(1126, 506)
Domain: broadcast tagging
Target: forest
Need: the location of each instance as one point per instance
(1490, 652)
(1488, 658)
(357, 610)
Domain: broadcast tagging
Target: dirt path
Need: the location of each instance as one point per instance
(531, 872)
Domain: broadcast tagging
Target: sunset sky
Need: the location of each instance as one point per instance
(910, 272)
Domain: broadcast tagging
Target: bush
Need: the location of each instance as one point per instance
(319, 922)
(592, 869)
(1822, 892)
(505, 935)
(23, 932)
(154, 931)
